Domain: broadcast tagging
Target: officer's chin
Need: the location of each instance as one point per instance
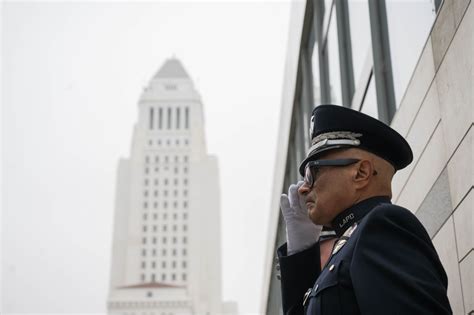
(313, 214)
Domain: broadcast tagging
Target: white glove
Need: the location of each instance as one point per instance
(301, 232)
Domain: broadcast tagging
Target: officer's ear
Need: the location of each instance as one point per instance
(363, 173)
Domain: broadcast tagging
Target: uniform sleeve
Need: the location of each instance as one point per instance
(395, 268)
(298, 273)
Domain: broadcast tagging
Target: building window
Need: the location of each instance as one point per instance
(145, 193)
(185, 216)
(154, 240)
(185, 204)
(185, 181)
(186, 158)
(185, 170)
(144, 228)
(173, 277)
(174, 240)
(174, 264)
(163, 277)
(184, 264)
(147, 159)
(165, 227)
(153, 252)
(178, 117)
(145, 205)
(168, 126)
(157, 159)
(175, 227)
(163, 264)
(144, 240)
(163, 252)
(156, 181)
(142, 277)
(157, 169)
(146, 170)
(149, 294)
(186, 141)
(185, 227)
(165, 205)
(160, 118)
(175, 216)
(165, 216)
(174, 252)
(175, 181)
(146, 182)
(185, 193)
(144, 216)
(184, 277)
(151, 118)
(155, 205)
(164, 240)
(175, 192)
(153, 264)
(166, 159)
(186, 117)
(176, 170)
(185, 252)
(185, 239)
(176, 159)
(155, 193)
(154, 226)
(143, 252)
(153, 277)
(175, 204)
(165, 193)
(143, 265)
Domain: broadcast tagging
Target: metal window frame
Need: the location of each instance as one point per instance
(345, 52)
(382, 69)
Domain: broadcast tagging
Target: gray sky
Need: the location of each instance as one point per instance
(72, 74)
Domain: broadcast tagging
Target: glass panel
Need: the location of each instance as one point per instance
(361, 41)
(369, 106)
(333, 56)
(316, 81)
(409, 24)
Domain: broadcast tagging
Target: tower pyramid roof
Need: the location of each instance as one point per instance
(172, 68)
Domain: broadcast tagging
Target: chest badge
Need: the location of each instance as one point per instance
(306, 295)
(343, 239)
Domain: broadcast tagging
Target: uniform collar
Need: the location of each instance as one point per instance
(355, 213)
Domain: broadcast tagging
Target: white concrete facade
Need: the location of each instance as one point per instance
(436, 116)
(166, 244)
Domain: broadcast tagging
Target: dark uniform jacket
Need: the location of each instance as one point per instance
(383, 263)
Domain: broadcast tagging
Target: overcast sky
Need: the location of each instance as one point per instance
(72, 74)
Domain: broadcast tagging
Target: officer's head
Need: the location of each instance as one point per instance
(352, 157)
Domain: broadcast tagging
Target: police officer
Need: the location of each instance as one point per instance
(383, 261)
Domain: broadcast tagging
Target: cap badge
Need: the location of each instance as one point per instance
(336, 138)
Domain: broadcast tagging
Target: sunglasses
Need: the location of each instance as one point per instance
(312, 168)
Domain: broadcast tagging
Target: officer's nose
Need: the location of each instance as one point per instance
(304, 189)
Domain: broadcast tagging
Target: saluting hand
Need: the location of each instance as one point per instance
(301, 232)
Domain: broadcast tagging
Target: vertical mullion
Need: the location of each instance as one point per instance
(345, 52)
(322, 53)
(382, 61)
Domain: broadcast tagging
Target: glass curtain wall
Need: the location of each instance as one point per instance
(408, 23)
